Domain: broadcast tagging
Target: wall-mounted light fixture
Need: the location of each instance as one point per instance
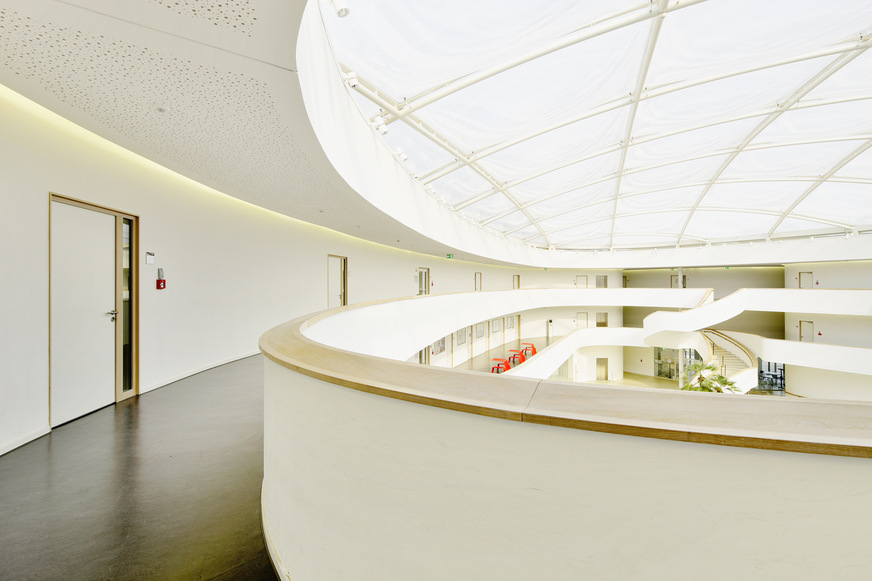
(341, 8)
(379, 124)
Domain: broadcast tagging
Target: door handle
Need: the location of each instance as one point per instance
(113, 313)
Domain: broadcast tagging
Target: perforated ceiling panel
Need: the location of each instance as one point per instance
(219, 126)
(237, 15)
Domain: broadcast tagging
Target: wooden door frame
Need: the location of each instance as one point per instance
(426, 271)
(343, 279)
(120, 216)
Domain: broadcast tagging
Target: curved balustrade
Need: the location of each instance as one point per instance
(776, 300)
(353, 328)
(362, 482)
(378, 468)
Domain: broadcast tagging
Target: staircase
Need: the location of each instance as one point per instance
(730, 363)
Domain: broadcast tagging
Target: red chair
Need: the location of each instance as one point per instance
(502, 365)
(518, 356)
(530, 347)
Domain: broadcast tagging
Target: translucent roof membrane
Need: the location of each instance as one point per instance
(593, 125)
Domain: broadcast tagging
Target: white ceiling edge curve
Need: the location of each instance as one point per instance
(374, 171)
(215, 95)
(368, 166)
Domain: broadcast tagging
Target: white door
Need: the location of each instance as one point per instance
(806, 280)
(581, 320)
(806, 331)
(581, 281)
(82, 301)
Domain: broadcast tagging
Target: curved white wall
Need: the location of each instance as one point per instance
(399, 329)
(233, 269)
(359, 486)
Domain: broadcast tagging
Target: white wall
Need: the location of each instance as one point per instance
(358, 486)
(723, 280)
(565, 320)
(764, 323)
(233, 270)
(462, 352)
(826, 384)
(831, 329)
(639, 360)
(585, 362)
(566, 278)
(855, 274)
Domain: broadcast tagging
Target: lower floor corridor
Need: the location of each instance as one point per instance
(163, 486)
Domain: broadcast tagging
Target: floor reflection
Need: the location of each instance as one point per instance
(165, 486)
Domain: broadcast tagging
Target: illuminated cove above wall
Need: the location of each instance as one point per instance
(614, 125)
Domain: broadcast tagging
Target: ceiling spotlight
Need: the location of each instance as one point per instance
(401, 155)
(351, 79)
(341, 8)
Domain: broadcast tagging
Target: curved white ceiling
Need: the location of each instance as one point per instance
(624, 124)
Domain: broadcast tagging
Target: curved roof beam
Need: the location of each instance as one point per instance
(650, 138)
(384, 101)
(721, 152)
(642, 140)
(842, 163)
(806, 88)
(635, 97)
(826, 222)
(649, 93)
(588, 32)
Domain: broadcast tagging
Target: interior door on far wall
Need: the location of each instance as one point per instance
(337, 281)
(806, 331)
(581, 281)
(423, 281)
(83, 260)
(602, 368)
(806, 280)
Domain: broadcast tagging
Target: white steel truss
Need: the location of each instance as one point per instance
(522, 218)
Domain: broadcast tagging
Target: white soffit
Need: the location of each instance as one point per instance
(626, 124)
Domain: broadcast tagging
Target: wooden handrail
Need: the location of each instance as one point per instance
(804, 425)
(751, 358)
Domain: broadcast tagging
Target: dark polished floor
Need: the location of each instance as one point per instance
(164, 486)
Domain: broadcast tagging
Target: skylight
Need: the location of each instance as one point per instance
(606, 125)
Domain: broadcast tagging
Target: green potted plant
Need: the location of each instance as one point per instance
(702, 376)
